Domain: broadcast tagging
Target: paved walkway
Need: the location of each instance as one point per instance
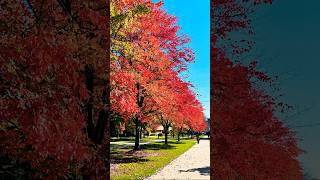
(193, 164)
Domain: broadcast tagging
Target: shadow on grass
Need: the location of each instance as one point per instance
(157, 146)
(121, 158)
(122, 139)
(177, 142)
(203, 171)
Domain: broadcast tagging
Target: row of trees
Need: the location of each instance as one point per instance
(56, 83)
(249, 141)
(147, 56)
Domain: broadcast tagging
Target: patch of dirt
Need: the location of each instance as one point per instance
(114, 169)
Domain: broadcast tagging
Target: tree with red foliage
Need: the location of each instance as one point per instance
(54, 84)
(147, 55)
(247, 136)
(183, 107)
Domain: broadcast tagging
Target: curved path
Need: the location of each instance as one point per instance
(193, 164)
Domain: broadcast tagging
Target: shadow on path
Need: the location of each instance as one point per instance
(203, 171)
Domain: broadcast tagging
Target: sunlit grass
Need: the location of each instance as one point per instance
(146, 162)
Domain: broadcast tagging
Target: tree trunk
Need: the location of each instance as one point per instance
(191, 134)
(165, 135)
(179, 136)
(140, 132)
(136, 142)
(140, 100)
(198, 137)
(100, 127)
(166, 138)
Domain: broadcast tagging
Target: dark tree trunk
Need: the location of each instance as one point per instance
(165, 134)
(191, 134)
(179, 133)
(140, 132)
(198, 137)
(103, 118)
(95, 132)
(140, 100)
(100, 128)
(165, 137)
(136, 142)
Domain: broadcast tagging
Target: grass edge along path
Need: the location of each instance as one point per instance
(159, 156)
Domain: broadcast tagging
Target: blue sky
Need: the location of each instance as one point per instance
(194, 20)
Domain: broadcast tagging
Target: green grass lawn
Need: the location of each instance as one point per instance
(144, 139)
(132, 139)
(127, 164)
(204, 136)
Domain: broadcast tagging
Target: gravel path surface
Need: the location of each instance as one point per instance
(193, 164)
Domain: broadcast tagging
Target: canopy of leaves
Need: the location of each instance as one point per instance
(147, 55)
(47, 49)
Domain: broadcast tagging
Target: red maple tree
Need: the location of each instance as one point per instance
(147, 57)
(54, 76)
